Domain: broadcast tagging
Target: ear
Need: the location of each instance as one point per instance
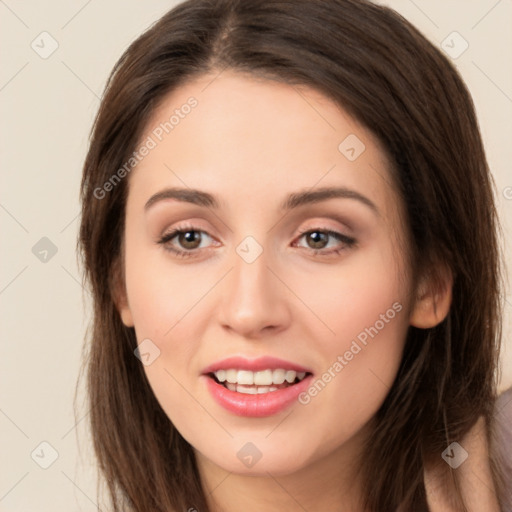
(125, 311)
(118, 289)
(433, 299)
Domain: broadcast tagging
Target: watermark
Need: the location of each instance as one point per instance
(145, 147)
(356, 346)
(249, 249)
(507, 193)
(454, 455)
(44, 455)
(44, 250)
(44, 45)
(147, 352)
(351, 147)
(454, 45)
(249, 454)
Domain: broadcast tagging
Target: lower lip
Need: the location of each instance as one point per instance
(259, 405)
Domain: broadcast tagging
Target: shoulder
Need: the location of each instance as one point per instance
(473, 476)
(502, 441)
(503, 427)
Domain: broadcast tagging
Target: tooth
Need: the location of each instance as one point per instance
(290, 376)
(263, 389)
(221, 375)
(272, 388)
(278, 376)
(245, 377)
(230, 386)
(231, 376)
(263, 378)
(246, 389)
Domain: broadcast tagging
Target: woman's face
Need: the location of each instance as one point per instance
(270, 265)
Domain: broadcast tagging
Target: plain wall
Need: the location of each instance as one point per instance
(47, 108)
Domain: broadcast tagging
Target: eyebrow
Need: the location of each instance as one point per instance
(294, 200)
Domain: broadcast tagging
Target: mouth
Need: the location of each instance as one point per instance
(259, 382)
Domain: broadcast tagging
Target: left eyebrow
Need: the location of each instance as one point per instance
(323, 194)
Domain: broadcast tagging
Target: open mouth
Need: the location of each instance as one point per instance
(252, 383)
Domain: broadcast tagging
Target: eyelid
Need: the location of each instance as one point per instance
(346, 241)
(168, 235)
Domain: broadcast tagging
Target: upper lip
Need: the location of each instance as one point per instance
(261, 363)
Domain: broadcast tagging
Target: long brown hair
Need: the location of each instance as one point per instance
(386, 74)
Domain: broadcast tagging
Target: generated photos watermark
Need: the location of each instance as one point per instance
(357, 345)
(150, 143)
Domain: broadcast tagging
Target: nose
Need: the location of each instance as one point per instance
(254, 300)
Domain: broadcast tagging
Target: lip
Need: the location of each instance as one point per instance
(256, 406)
(254, 365)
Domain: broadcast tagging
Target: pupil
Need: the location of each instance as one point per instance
(317, 235)
(189, 239)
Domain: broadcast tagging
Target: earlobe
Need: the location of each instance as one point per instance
(433, 301)
(120, 298)
(123, 308)
(126, 316)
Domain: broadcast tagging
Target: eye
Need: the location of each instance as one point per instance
(317, 241)
(189, 238)
(185, 241)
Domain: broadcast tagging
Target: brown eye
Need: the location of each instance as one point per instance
(318, 239)
(189, 239)
(186, 241)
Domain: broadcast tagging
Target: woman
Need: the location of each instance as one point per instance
(289, 230)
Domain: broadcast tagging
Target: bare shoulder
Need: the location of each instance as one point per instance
(473, 476)
(502, 444)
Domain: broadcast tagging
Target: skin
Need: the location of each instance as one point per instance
(250, 143)
(474, 477)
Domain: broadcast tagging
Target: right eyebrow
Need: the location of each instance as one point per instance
(186, 195)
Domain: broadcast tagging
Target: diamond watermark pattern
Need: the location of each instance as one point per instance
(44, 455)
(44, 45)
(454, 45)
(44, 250)
(454, 455)
(351, 147)
(249, 249)
(249, 454)
(147, 352)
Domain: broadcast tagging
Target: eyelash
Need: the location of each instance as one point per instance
(348, 241)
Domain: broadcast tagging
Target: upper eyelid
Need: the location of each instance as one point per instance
(302, 232)
(184, 229)
(317, 224)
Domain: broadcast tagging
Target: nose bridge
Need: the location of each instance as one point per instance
(253, 298)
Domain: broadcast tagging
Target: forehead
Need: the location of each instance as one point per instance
(244, 133)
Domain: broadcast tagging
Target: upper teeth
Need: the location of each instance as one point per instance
(261, 378)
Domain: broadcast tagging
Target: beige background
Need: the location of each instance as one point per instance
(47, 107)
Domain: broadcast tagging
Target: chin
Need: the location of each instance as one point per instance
(260, 458)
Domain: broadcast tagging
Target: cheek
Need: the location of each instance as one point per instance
(160, 294)
(352, 296)
(360, 339)
(164, 304)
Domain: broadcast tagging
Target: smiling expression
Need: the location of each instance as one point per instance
(251, 232)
